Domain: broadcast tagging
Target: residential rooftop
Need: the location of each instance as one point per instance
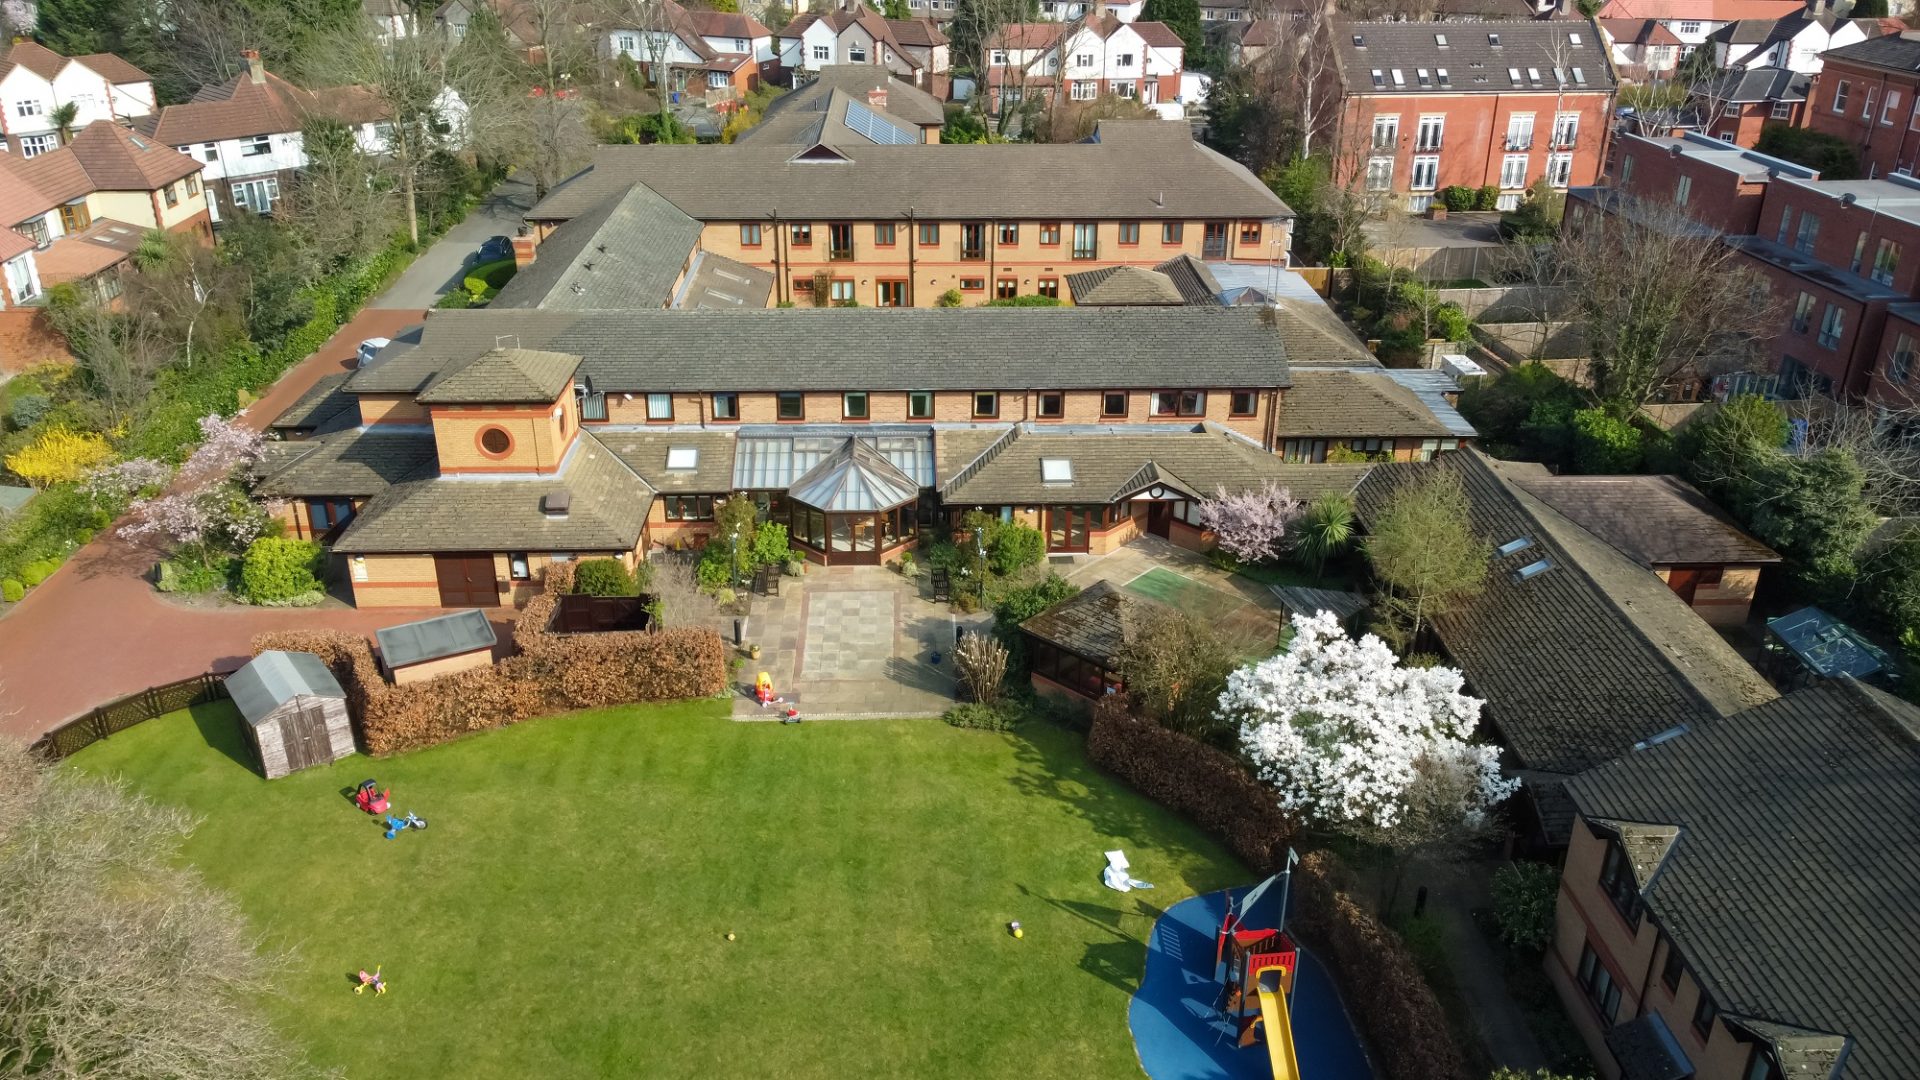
(1653, 520)
(1747, 164)
(1498, 57)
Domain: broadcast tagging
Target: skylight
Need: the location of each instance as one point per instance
(1512, 546)
(1379, 78)
(1055, 470)
(683, 457)
(1514, 74)
(1533, 569)
(1580, 76)
(1493, 40)
(1574, 40)
(1440, 40)
(1399, 78)
(1441, 74)
(1359, 42)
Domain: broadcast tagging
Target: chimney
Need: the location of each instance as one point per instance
(555, 504)
(877, 98)
(1099, 10)
(256, 71)
(524, 243)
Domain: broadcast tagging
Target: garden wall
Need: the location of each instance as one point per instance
(1510, 303)
(1397, 1013)
(553, 673)
(1517, 342)
(1193, 779)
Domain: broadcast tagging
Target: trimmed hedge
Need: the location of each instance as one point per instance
(1380, 982)
(1193, 779)
(553, 673)
(277, 569)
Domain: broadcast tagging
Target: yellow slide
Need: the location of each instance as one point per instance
(1279, 1034)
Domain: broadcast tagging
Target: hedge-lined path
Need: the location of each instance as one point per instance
(441, 267)
(96, 630)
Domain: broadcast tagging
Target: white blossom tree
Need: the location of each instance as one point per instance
(1355, 741)
(1251, 525)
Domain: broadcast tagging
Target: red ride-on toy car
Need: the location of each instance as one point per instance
(370, 800)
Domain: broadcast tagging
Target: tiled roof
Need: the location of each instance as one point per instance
(1107, 463)
(19, 197)
(1896, 51)
(715, 281)
(78, 256)
(36, 58)
(1196, 283)
(1639, 31)
(353, 462)
(13, 245)
(1027, 36)
(607, 510)
(1097, 622)
(240, 107)
(625, 253)
(904, 101)
(1476, 57)
(1584, 658)
(1760, 84)
(1349, 404)
(727, 24)
(1653, 520)
(1262, 33)
(323, 402)
(1700, 10)
(921, 33)
(1135, 169)
(1122, 286)
(104, 156)
(113, 69)
(1795, 854)
(1314, 334)
(505, 376)
(868, 348)
(1157, 34)
(645, 452)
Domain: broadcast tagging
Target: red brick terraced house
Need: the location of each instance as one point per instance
(1740, 103)
(1868, 94)
(1425, 106)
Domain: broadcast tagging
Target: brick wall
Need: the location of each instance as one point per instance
(1848, 102)
(540, 436)
(1716, 196)
(391, 409)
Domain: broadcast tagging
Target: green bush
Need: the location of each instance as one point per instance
(176, 576)
(278, 569)
(715, 568)
(455, 300)
(1604, 444)
(950, 298)
(1024, 301)
(11, 591)
(36, 572)
(1524, 894)
(1832, 155)
(487, 278)
(26, 410)
(1450, 321)
(983, 717)
(770, 546)
(1487, 198)
(604, 577)
(1457, 198)
(1023, 603)
(1013, 547)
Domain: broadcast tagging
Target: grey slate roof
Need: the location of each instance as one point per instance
(434, 639)
(715, 281)
(1114, 462)
(626, 252)
(1135, 169)
(1095, 623)
(867, 348)
(1760, 84)
(1894, 51)
(904, 101)
(1473, 62)
(323, 404)
(609, 508)
(274, 678)
(1315, 335)
(1653, 520)
(1123, 286)
(1794, 885)
(506, 377)
(1581, 661)
(1191, 276)
(1348, 404)
(645, 452)
(352, 462)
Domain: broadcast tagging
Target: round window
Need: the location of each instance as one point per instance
(496, 441)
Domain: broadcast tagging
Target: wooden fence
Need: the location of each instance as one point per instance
(123, 713)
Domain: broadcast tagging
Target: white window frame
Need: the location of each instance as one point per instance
(1513, 171)
(1520, 131)
(1782, 110)
(822, 54)
(1891, 103)
(28, 107)
(1429, 165)
(1841, 90)
(1432, 134)
(246, 193)
(1566, 130)
(1386, 132)
(1126, 89)
(1084, 90)
(35, 145)
(1380, 173)
(1559, 169)
(256, 146)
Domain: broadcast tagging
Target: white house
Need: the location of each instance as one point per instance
(391, 19)
(1794, 42)
(247, 132)
(1139, 60)
(35, 81)
(911, 50)
(710, 54)
(1689, 22)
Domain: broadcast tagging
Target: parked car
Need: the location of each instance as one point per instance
(495, 249)
(368, 349)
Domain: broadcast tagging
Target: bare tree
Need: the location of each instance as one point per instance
(1661, 299)
(528, 111)
(339, 207)
(982, 662)
(409, 77)
(1883, 436)
(119, 355)
(104, 980)
(187, 290)
(1302, 72)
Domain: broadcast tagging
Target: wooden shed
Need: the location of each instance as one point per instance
(442, 645)
(294, 710)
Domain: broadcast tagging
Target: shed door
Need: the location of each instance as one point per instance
(1684, 581)
(303, 730)
(466, 581)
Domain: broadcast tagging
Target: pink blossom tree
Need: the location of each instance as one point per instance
(206, 512)
(1251, 525)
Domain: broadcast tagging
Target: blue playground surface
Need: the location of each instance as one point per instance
(1179, 1033)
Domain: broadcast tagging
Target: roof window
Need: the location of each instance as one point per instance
(1359, 41)
(1574, 40)
(1512, 546)
(1054, 470)
(1440, 41)
(1399, 78)
(1379, 78)
(1441, 75)
(1533, 76)
(1580, 76)
(683, 457)
(1533, 570)
(1514, 74)
(1493, 40)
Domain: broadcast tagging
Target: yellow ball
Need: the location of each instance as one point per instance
(1019, 933)
(729, 935)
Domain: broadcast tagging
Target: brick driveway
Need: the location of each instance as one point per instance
(96, 630)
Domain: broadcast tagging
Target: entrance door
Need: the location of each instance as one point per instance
(466, 580)
(1160, 519)
(1684, 581)
(1068, 528)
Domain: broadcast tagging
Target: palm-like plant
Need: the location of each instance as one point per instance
(1326, 530)
(63, 118)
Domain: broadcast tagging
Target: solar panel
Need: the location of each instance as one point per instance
(866, 122)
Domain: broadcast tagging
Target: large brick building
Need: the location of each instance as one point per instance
(1868, 94)
(1425, 106)
(1839, 256)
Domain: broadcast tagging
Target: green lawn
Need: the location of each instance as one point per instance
(1250, 630)
(565, 912)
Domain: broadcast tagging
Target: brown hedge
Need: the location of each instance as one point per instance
(553, 673)
(1405, 1028)
(1194, 779)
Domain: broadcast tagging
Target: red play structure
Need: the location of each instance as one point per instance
(1260, 965)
